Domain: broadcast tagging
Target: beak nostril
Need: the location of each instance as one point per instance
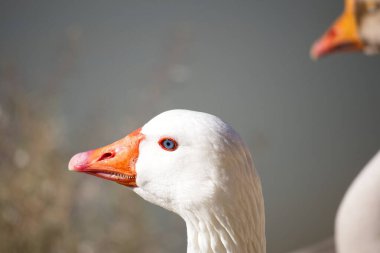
(332, 32)
(107, 155)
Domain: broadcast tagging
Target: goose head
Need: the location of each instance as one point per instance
(193, 164)
(357, 29)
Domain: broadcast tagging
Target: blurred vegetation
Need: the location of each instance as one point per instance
(46, 208)
(35, 196)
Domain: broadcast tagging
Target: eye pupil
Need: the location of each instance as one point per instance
(169, 144)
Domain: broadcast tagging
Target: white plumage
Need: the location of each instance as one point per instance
(358, 219)
(357, 225)
(197, 166)
(209, 179)
(370, 30)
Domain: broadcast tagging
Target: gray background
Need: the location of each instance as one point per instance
(310, 125)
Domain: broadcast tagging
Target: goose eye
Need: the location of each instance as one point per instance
(168, 144)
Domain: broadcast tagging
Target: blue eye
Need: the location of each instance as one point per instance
(168, 144)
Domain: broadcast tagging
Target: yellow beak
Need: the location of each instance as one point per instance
(342, 36)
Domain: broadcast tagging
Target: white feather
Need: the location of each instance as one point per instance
(210, 181)
(370, 32)
(358, 218)
(357, 226)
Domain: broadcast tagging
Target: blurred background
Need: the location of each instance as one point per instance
(75, 75)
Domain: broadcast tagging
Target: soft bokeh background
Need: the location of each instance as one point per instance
(79, 74)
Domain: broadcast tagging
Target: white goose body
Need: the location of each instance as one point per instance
(358, 220)
(197, 166)
(357, 225)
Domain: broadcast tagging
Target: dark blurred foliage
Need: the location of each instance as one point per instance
(43, 206)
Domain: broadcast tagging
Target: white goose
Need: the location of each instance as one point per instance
(357, 29)
(357, 225)
(195, 165)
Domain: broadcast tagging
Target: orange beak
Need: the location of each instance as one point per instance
(115, 162)
(342, 36)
